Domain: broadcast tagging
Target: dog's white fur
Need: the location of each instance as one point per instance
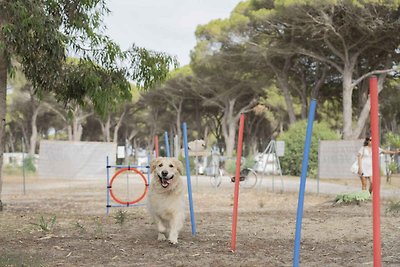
(165, 200)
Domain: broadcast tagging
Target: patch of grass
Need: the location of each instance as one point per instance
(98, 229)
(355, 197)
(120, 217)
(44, 224)
(393, 207)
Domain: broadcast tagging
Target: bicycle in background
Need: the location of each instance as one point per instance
(248, 178)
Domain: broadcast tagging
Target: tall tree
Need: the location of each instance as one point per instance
(41, 33)
(356, 38)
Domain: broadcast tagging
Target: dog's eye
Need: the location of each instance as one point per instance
(160, 165)
(171, 166)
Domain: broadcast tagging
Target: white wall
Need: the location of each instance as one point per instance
(75, 160)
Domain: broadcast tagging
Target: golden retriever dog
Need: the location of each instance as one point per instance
(165, 200)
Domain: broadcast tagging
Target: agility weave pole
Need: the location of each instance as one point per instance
(189, 182)
(307, 144)
(156, 145)
(166, 144)
(237, 181)
(376, 175)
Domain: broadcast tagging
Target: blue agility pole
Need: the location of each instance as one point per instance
(189, 183)
(303, 177)
(108, 185)
(166, 144)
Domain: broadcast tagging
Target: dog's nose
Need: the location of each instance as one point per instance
(164, 173)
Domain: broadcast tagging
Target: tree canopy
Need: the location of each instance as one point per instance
(42, 34)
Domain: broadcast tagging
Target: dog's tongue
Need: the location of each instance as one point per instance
(164, 182)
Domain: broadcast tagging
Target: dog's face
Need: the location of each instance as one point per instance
(165, 170)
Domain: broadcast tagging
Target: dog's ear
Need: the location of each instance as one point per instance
(179, 165)
(153, 164)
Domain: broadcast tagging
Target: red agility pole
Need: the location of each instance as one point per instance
(376, 176)
(237, 180)
(156, 145)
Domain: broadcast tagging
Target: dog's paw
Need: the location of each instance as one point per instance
(173, 241)
(161, 237)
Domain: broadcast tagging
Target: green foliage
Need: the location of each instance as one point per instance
(40, 34)
(120, 217)
(392, 140)
(14, 169)
(294, 146)
(230, 164)
(355, 197)
(29, 165)
(46, 225)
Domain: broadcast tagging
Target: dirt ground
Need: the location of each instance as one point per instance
(83, 235)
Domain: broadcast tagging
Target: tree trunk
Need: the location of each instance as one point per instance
(347, 105)
(365, 112)
(116, 128)
(33, 139)
(76, 129)
(284, 86)
(3, 111)
(229, 128)
(69, 131)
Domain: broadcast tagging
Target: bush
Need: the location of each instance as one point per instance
(294, 146)
(355, 197)
(29, 164)
(230, 164)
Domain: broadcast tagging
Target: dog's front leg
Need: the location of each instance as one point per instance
(175, 226)
(161, 230)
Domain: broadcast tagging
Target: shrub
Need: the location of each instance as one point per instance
(294, 146)
(29, 164)
(355, 197)
(230, 164)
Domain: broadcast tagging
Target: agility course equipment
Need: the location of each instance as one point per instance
(189, 182)
(167, 151)
(125, 169)
(303, 177)
(271, 150)
(376, 213)
(156, 145)
(373, 83)
(187, 165)
(237, 181)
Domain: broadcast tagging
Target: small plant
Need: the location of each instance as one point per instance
(120, 217)
(393, 207)
(46, 225)
(355, 197)
(98, 229)
(80, 226)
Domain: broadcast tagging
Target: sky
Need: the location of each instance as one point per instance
(163, 25)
